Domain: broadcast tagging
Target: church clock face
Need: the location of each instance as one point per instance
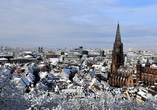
(117, 50)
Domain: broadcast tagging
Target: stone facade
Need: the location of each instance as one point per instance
(119, 77)
(148, 76)
(122, 78)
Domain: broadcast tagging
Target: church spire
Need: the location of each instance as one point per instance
(117, 53)
(118, 36)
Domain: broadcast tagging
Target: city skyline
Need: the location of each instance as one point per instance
(70, 23)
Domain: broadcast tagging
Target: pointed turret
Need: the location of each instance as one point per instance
(39, 50)
(147, 63)
(118, 36)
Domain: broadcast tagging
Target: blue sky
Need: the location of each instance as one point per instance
(74, 23)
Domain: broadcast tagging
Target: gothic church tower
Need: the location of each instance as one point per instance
(117, 53)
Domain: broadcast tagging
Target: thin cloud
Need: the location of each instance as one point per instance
(73, 23)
